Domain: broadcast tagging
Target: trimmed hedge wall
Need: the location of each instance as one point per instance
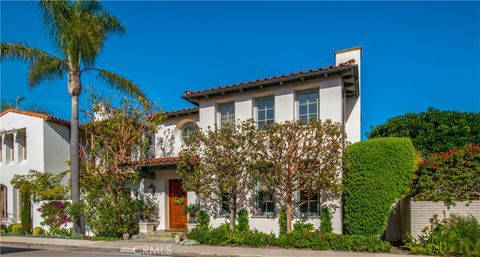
(378, 172)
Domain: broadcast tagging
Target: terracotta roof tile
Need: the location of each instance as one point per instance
(181, 111)
(44, 116)
(187, 93)
(161, 160)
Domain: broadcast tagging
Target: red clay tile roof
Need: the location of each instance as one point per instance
(181, 112)
(161, 160)
(44, 116)
(254, 82)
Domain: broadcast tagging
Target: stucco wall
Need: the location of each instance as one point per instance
(423, 211)
(56, 148)
(167, 138)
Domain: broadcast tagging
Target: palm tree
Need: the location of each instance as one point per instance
(78, 30)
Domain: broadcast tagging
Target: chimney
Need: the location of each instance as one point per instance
(352, 110)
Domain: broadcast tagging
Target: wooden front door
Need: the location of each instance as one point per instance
(177, 201)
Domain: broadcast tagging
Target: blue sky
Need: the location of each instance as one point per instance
(415, 55)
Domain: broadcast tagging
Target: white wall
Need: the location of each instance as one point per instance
(56, 148)
(168, 141)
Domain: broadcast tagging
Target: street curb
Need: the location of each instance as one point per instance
(122, 250)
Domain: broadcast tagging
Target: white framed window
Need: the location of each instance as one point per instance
(307, 106)
(22, 145)
(1, 149)
(264, 111)
(187, 131)
(9, 148)
(226, 114)
(265, 199)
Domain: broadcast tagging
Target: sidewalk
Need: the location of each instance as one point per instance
(151, 248)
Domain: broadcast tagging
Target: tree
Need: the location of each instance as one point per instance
(115, 135)
(214, 163)
(293, 156)
(434, 130)
(78, 31)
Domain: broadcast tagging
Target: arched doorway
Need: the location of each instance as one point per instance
(3, 201)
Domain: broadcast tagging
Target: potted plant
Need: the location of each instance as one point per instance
(192, 210)
(148, 213)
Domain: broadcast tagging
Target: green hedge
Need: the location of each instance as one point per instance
(378, 172)
(449, 176)
(301, 237)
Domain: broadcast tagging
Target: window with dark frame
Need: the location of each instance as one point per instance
(225, 205)
(187, 131)
(226, 114)
(265, 111)
(307, 103)
(309, 204)
(265, 200)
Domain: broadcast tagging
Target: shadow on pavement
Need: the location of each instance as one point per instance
(7, 250)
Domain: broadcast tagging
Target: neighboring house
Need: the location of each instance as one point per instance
(29, 141)
(325, 93)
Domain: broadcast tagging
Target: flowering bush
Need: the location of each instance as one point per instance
(55, 217)
(449, 176)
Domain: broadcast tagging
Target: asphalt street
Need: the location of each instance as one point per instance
(15, 251)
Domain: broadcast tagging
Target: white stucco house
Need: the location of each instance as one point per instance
(324, 93)
(29, 141)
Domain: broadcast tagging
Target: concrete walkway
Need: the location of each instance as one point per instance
(151, 248)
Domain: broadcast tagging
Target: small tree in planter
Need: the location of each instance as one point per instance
(192, 211)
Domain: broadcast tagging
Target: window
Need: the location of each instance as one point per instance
(226, 114)
(265, 111)
(151, 145)
(1, 149)
(22, 145)
(187, 131)
(225, 205)
(307, 103)
(308, 203)
(9, 151)
(265, 200)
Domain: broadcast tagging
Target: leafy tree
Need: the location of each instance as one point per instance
(433, 130)
(115, 135)
(215, 164)
(293, 156)
(78, 30)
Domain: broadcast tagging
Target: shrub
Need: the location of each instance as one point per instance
(26, 210)
(16, 229)
(243, 220)
(203, 219)
(301, 237)
(449, 176)
(55, 216)
(455, 236)
(38, 231)
(282, 222)
(325, 220)
(433, 131)
(378, 172)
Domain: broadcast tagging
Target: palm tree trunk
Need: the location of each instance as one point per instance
(74, 89)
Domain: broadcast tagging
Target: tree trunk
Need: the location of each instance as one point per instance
(233, 212)
(289, 211)
(74, 88)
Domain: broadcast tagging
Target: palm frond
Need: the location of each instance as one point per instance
(121, 83)
(46, 69)
(23, 52)
(55, 15)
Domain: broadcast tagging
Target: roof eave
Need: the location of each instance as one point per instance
(342, 71)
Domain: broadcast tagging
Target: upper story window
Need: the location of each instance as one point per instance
(9, 148)
(151, 145)
(187, 131)
(307, 103)
(22, 145)
(226, 113)
(265, 111)
(1, 149)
